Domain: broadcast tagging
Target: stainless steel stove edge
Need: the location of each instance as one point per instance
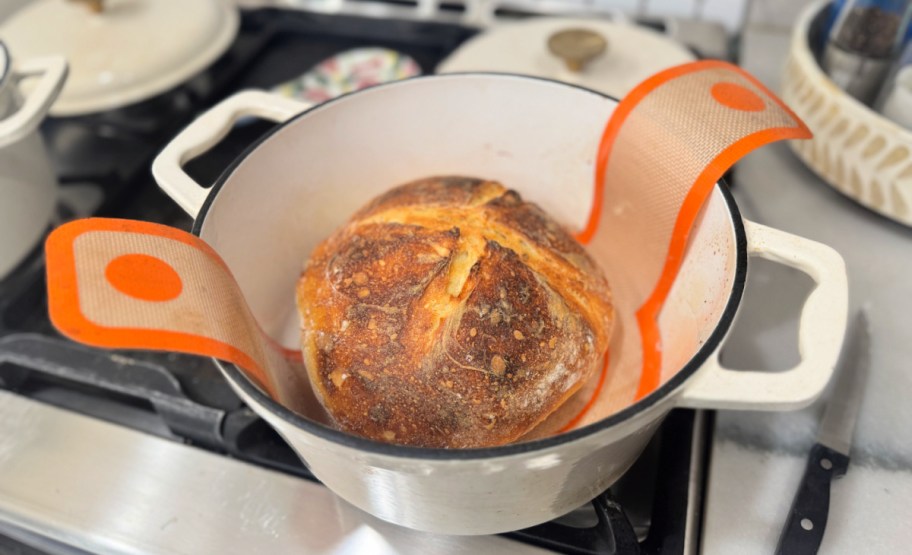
(84, 484)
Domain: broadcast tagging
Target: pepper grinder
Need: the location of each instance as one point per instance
(862, 43)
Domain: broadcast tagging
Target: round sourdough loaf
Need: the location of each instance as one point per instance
(448, 312)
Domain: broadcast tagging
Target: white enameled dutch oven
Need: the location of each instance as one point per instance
(28, 187)
(297, 184)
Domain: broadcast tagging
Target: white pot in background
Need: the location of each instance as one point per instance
(633, 53)
(28, 187)
(127, 51)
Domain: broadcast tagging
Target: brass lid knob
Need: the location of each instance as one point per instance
(577, 47)
(94, 6)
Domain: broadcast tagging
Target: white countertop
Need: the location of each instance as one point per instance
(758, 459)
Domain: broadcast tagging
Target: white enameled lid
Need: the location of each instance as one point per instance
(633, 53)
(130, 51)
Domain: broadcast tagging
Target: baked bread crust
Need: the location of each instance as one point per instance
(448, 312)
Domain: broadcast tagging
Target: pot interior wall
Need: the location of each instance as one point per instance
(535, 136)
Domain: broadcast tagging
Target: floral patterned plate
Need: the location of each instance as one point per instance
(349, 71)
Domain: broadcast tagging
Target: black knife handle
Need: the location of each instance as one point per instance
(807, 518)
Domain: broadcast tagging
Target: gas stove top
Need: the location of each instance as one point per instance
(133, 435)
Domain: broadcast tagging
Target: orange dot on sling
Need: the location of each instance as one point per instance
(144, 277)
(737, 97)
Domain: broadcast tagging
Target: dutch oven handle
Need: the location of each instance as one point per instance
(205, 132)
(820, 333)
(51, 72)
